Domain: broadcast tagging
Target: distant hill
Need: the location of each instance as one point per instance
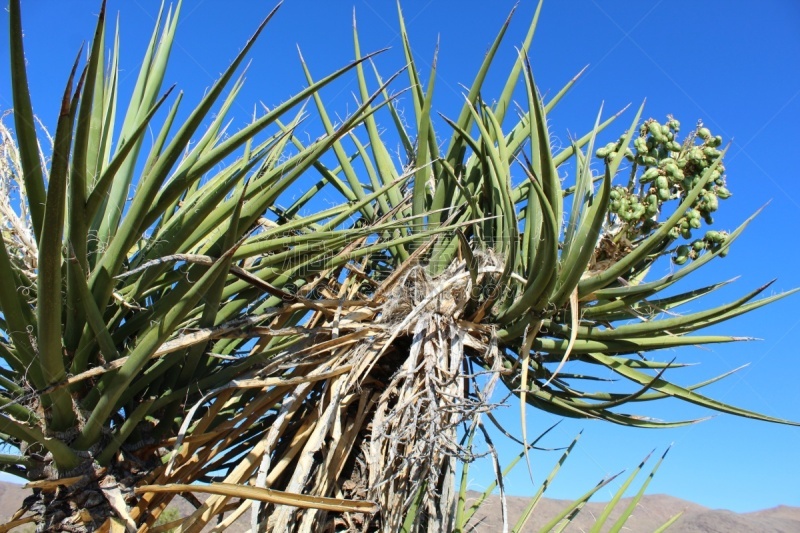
(653, 510)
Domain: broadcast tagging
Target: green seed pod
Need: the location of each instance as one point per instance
(650, 161)
(640, 143)
(666, 161)
(713, 237)
(602, 153)
(669, 135)
(708, 218)
(680, 259)
(711, 153)
(615, 205)
(695, 223)
(686, 234)
(674, 233)
(675, 125)
(693, 214)
(649, 175)
(724, 252)
(652, 210)
(664, 130)
(662, 182)
(723, 193)
(699, 245)
(714, 141)
(613, 194)
(682, 163)
(704, 133)
(673, 146)
(663, 194)
(712, 202)
(654, 128)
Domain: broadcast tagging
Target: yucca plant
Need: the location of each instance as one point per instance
(316, 369)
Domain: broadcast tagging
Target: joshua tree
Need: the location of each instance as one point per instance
(316, 368)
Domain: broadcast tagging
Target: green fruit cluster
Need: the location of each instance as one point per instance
(629, 206)
(665, 169)
(713, 241)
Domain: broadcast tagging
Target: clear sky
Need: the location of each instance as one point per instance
(733, 65)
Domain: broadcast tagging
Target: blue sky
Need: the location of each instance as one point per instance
(730, 65)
